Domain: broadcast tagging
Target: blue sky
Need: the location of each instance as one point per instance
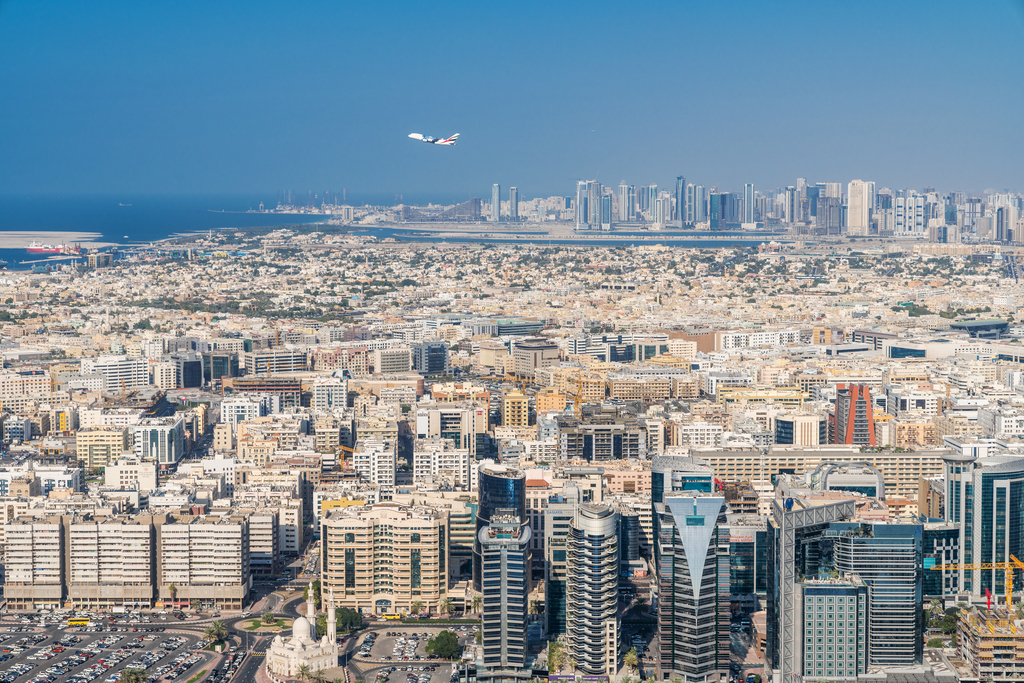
(186, 97)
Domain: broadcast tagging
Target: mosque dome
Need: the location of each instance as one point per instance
(301, 629)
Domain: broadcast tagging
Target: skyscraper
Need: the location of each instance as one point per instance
(680, 198)
(627, 202)
(501, 571)
(717, 210)
(748, 203)
(853, 421)
(592, 579)
(789, 206)
(693, 586)
(689, 215)
(606, 211)
(582, 199)
(700, 199)
(858, 212)
(495, 203)
(594, 194)
(513, 204)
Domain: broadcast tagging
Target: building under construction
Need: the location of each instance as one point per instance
(991, 645)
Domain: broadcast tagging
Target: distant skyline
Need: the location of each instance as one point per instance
(254, 97)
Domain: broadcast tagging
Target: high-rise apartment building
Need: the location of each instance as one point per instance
(34, 565)
(858, 211)
(592, 579)
(853, 421)
(495, 203)
(909, 216)
(627, 203)
(513, 204)
(515, 409)
(835, 618)
(204, 562)
(501, 572)
(748, 203)
(679, 209)
(385, 557)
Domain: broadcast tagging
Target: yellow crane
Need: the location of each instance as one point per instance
(1007, 567)
(345, 449)
(577, 399)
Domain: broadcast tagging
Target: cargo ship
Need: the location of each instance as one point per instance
(40, 248)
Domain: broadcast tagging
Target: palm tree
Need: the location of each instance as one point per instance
(416, 607)
(216, 631)
(318, 676)
(304, 672)
(631, 660)
(478, 602)
(447, 605)
(173, 590)
(570, 662)
(268, 618)
(556, 656)
(133, 676)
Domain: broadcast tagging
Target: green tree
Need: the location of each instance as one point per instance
(536, 607)
(478, 601)
(316, 593)
(143, 324)
(268, 618)
(318, 676)
(936, 642)
(447, 605)
(416, 607)
(570, 662)
(133, 676)
(631, 659)
(556, 655)
(479, 637)
(304, 672)
(445, 645)
(216, 631)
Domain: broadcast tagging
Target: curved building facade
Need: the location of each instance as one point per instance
(502, 492)
(592, 581)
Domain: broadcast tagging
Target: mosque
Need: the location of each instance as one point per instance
(285, 657)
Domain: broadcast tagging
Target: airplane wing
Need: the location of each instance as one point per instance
(448, 141)
(416, 136)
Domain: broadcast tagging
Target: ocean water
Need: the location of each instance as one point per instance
(133, 219)
(130, 220)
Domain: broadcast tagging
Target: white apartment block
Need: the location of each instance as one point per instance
(245, 408)
(743, 339)
(129, 472)
(111, 563)
(437, 459)
(161, 439)
(1001, 422)
(34, 565)
(118, 372)
(206, 559)
(164, 375)
(375, 461)
(697, 433)
(330, 394)
(24, 384)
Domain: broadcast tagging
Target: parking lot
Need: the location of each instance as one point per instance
(77, 655)
(403, 651)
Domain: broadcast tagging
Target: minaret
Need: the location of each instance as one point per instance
(332, 622)
(311, 608)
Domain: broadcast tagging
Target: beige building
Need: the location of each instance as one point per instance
(98, 446)
(111, 562)
(384, 558)
(129, 472)
(34, 564)
(206, 560)
(515, 409)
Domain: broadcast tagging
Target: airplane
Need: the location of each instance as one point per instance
(434, 141)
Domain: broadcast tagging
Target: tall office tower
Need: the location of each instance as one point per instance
(606, 211)
(858, 212)
(627, 203)
(969, 212)
(690, 206)
(853, 421)
(680, 199)
(651, 192)
(594, 193)
(748, 203)
(592, 579)
(501, 570)
(513, 204)
(789, 205)
(828, 216)
(692, 558)
(984, 497)
(718, 210)
(582, 198)
(1006, 224)
(846, 620)
(495, 203)
(700, 204)
(801, 188)
(908, 216)
(888, 558)
(813, 193)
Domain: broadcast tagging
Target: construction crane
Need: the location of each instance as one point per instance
(577, 399)
(1007, 567)
(347, 450)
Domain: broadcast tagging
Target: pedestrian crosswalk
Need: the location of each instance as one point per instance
(261, 653)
